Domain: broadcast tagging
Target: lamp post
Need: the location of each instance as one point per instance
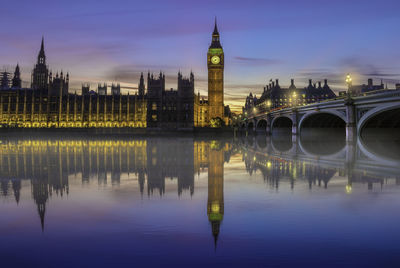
(349, 83)
(268, 102)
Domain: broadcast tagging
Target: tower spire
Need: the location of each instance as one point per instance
(42, 56)
(42, 45)
(215, 26)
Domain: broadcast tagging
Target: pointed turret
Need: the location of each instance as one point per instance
(16, 81)
(42, 212)
(141, 85)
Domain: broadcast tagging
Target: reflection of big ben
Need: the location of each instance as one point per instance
(215, 204)
(215, 64)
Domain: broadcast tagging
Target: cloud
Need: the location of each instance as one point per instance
(257, 61)
(360, 66)
(106, 13)
(127, 73)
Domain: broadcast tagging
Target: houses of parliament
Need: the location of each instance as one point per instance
(48, 103)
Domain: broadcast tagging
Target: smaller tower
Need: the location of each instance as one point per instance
(141, 85)
(115, 89)
(5, 80)
(16, 82)
(40, 73)
(102, 90)
(85, 89)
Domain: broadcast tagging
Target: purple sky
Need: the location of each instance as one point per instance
(112, 41)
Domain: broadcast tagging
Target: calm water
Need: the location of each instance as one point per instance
(249, 202)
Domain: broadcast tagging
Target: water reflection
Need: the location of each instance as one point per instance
(317, 159)
(48, 164)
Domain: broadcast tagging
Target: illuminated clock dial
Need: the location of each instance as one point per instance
(215, 60)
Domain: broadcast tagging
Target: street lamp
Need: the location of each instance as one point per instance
(348, 82)
(268, 104)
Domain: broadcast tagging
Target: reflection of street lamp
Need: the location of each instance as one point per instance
(348, 82)
(349, 189)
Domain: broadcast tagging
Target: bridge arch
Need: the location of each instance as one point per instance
(282, 121)
(283, 144)
(261, 125)
(378, 157)
(323, 147)
(387, 115)
(261, 142)
(323, 119)
(250, 125)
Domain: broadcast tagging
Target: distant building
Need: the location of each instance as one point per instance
(359, 89)
(274, 96)
(364, 88)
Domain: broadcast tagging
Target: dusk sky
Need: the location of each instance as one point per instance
(113, 41)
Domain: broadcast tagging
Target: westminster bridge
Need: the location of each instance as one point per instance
(350, 114)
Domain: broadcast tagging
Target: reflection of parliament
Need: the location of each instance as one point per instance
(49, 104)
(51, 164)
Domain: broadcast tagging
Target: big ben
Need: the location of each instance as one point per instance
(215, 64)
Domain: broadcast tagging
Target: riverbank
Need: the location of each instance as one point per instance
(118, 132)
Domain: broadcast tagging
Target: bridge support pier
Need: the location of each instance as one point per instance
(294, 125)
(268, 129)
(351, 130)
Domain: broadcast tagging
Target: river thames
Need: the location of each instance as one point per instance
(96, 201)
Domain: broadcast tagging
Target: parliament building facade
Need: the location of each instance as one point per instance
(48, 103)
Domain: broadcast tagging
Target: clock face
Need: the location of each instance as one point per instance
(215, 60)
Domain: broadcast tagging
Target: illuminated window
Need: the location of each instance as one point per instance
(154, 106)
(154, 117)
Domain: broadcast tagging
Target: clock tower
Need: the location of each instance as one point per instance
(215, 64)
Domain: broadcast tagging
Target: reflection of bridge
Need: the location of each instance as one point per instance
(317, 161)
(353, 114)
